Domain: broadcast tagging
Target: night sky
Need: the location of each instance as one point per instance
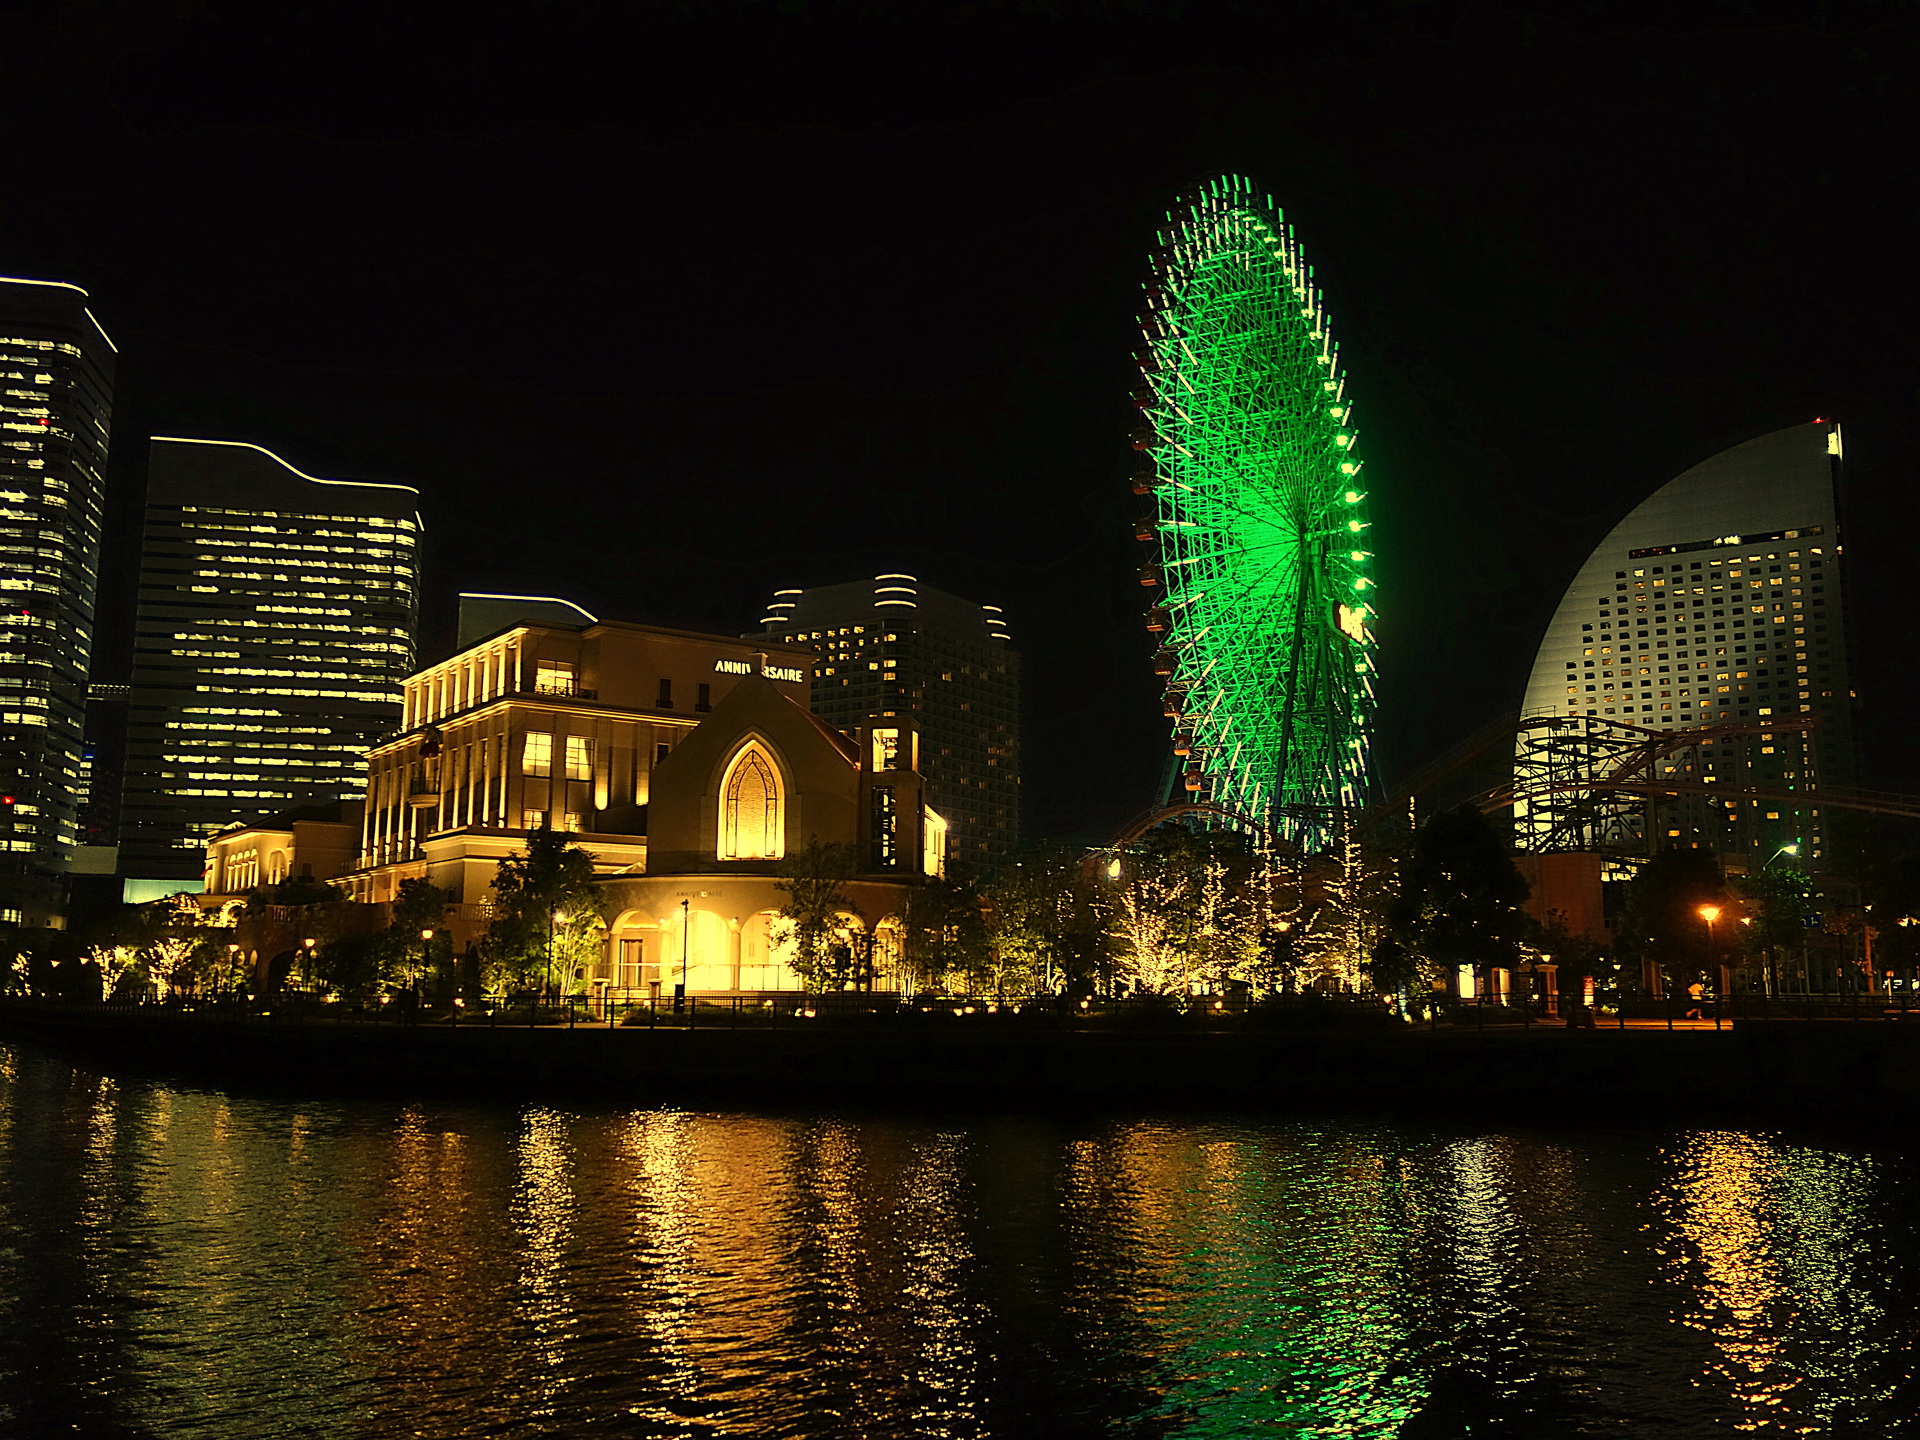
(664, 312)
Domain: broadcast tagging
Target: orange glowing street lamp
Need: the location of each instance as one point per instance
(1709, 913)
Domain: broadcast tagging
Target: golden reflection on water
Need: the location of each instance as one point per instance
(708, 1292)
(543, 1218)
(659, 1287)
(196, 1264)
(1770, 1248)
(1726, 1191)
(931, 1231)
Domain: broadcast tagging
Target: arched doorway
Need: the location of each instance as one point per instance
(702, 948)
(766, 954)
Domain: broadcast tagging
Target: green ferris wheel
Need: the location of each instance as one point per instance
(1259, 531)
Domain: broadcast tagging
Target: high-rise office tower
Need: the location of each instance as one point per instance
(1714, 607)
(56, 397)
(276, 621)
(892, 646)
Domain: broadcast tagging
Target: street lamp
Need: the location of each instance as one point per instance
(426, 941)
(686, 927)
(1766, 955)
(1792, 847)
(1709, 913)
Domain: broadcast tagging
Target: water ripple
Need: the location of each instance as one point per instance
(183, 1262)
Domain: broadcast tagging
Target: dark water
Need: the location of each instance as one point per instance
(183, 1262)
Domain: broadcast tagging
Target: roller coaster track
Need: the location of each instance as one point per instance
(1628, 771)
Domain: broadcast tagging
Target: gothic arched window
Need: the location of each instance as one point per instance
(752, 822)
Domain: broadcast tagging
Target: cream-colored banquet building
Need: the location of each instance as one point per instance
(687, 765)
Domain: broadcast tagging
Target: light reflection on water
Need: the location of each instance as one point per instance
(181, 1262)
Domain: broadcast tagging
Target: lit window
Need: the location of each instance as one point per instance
(752, 822)
(539, 753)
(579, 760)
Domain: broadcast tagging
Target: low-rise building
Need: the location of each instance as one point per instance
(311, 844)
(688, 766)
(541, 725)
(762, 780)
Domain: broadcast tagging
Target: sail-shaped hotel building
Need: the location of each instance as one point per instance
(1718, 600)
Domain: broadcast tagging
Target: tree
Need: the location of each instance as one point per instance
(1776, 902)
(1457, 903)
(357, 966)
(546, 912)
(162, 946)
(1578, 958)
(1185, 912)
(814, 881)
(360, 963)
(944, 938)
(1341, 922)
(1148, 916)
(1222, 940)
(419, 907)
(1662, 920)
(1045, 922)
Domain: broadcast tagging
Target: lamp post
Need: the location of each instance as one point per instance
(686, 928)
(1709, 913)
(1766, 959)
(306, 963)
(426, 942)
(1792, 848)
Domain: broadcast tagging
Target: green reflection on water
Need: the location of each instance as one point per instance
(1272, 1269)
(176, 1262)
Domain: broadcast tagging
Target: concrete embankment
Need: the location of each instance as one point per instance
(1870, 1069)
